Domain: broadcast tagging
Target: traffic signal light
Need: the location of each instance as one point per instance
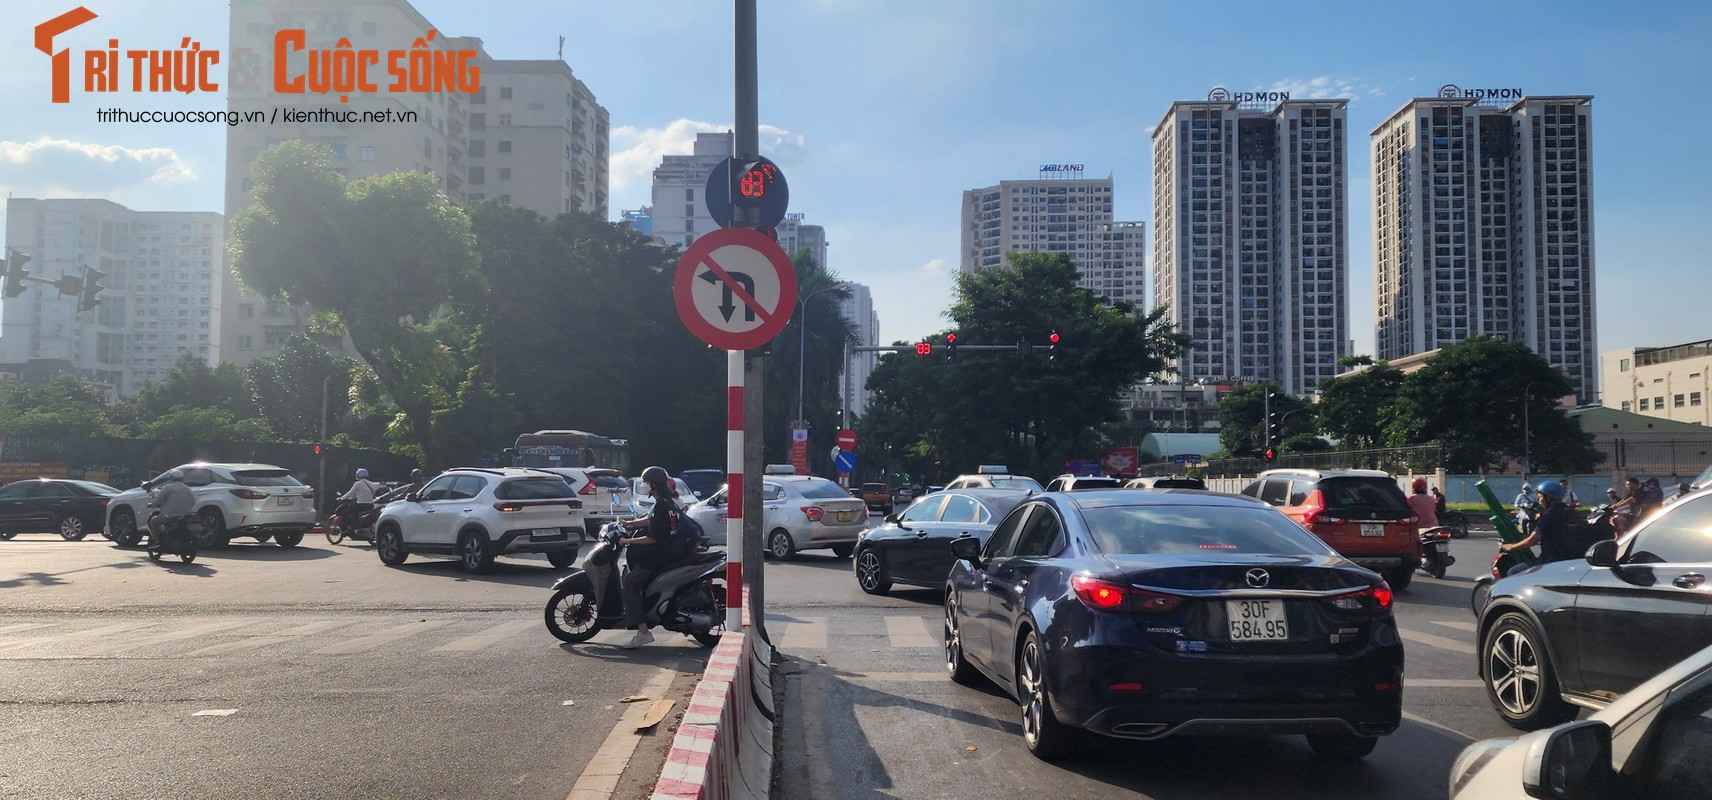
(751, 181)
(1052, 349)
(15, 273)
(1275, 427)
(91, 287)
(317, 448)
(950, 348)
(1271, 454)
(924, 348)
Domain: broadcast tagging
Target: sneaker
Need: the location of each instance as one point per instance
(641, 638)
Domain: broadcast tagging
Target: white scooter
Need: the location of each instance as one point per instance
(688, 598)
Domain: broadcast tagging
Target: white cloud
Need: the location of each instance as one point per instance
(50, 167)
(637, 151)
(1326, 86)
(934, 267)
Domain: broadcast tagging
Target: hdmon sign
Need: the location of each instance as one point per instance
(1452, 91)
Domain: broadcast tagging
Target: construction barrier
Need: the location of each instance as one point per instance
(724, 746)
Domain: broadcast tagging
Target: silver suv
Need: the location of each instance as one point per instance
(259, 500)
(476, 514)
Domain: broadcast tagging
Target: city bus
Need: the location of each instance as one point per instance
(570, 449)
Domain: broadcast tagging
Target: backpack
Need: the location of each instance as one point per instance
(1582, 535)
(1653, 492)
(687, 538)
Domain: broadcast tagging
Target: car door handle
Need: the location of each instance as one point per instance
(922, 535)
(468, 509)
(1688, 580)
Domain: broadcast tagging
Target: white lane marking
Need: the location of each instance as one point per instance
(909, 632)
(1431, 724)
(365, 643)
(107, 630)
(1436, 641)
(1442, 683)
(600, 778)
(24, 626)
(1461, 625)
(215, 712)
(809, 633)
(896, 677)
(261, 641)
(113, 648)
(487, 638)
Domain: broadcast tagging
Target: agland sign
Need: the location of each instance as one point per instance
(1451, 91)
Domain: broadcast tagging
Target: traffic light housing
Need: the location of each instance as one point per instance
(950, 348)
(1271, 454)
(1052, 347)
(317, 448)
(15, 273)
(91, 289)
(1274, 428)
(924, 348)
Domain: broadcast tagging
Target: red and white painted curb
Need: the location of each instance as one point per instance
(724, 746)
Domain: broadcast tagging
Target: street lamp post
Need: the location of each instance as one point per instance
(802, 334)
(1527, 438)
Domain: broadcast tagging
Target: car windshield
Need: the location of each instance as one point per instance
(1016, 482)
(265, 477)
(873, 487)
(1704, 480)
(821, 489)
(532, 489)
(1346, 496)
(1156, 529)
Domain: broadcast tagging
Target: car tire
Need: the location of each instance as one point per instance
(389, 545)
(1342, 746)
(213, 528)
(124, 526)
(562, 559)
(843, 550)
(780, 545)
(1520, 680)
(291, 539)
(72, 528)
(957, 668)
(1400, 579)
(1046, 737)
(475, 553)
(6, 535)
(572, 613)
(871, 572)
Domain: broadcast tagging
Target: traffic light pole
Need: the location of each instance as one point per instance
(744, 444)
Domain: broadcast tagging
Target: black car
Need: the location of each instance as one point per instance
(70, 508)
(1143, 615)
(703, 482)
(1584, 632)
(915, 547)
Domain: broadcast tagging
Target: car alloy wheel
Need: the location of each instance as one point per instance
(71, 527)
(957, 667)
(1032, 690)
(868, 570)
(1513, 668)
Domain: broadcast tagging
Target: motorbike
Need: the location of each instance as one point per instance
(1456, 521)
(178, 539)
(687, 598)
(347, 523)
(1435, 550)
(1603, 520)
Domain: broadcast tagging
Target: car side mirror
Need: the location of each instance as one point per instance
(967, 549)
(1572, 762)
(895, 519)
(413, 497)
(1603, 553)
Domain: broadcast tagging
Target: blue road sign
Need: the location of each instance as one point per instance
(845, 461)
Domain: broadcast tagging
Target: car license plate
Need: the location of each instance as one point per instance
(284, 500)
(1256, 620)
(846, 516)
(1372, 529)
(544, 533)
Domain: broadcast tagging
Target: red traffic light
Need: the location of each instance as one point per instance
(1271, 454)
(951, 338)
(1053, 338)
(317, 449)
(923, 348)
(753, 184)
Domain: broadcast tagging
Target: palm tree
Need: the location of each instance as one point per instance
(822, 359)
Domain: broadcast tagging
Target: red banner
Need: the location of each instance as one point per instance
(799, 457)
(1120, 461)
(20, 470)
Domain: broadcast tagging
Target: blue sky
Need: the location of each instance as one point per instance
(883, 112)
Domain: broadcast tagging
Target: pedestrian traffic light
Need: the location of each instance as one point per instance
(924, 348)
(91, 288)
(1052, 348)
(15, 273)
(950, 348)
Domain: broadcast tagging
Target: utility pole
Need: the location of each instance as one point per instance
(321, 495)
(747, 138)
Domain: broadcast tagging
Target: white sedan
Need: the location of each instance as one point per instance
(799, 512)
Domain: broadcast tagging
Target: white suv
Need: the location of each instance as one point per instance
(259, 500)
(476, 514)
(605, 493)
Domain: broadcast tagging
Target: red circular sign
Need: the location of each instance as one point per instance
(735, 289)
(846, 439)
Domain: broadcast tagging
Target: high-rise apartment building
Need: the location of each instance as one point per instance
(1483, 225)
(858, 309)
(640, 220)
(1068, 214)
(165, 271)
(680, 213)
(795, 236)
(532, 136)
(1250, 244)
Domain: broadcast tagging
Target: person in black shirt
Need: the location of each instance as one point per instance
(650, 552)
(1554, 530)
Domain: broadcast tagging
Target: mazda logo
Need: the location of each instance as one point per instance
(1258, 578)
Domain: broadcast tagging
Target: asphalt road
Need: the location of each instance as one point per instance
(316, 672)
(868, 712)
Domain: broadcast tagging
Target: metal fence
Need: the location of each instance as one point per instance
(1678, 459)
(1421, 458)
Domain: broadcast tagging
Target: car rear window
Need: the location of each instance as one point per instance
(532, 489)
(873, 487)
(1144, 530)
(1094, 483)
(1354, 497)
(609, 479)
(1179, 483)
(1015, 482)
(821, 489)
(265, 477)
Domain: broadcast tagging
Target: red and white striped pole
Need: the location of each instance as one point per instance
(734, 544)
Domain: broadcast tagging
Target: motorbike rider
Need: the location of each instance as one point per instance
(176, 503)
(1526, 501)
(1439, 501)
(360, 497)
(649, 553)
(1426, 508)
(1553, 529)
(1629, 509)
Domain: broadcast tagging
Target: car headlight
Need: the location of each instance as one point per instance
(1472, 759)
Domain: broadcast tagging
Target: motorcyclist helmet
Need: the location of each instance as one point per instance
(362, 473)
(656, 475)
(416, 475)
(175, 475)
(1553, 489)
(1527, 487)
(1419, 484)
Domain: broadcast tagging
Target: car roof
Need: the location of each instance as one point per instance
(1328, 473)
(506, 472)
(238, 467)
(1103, 498)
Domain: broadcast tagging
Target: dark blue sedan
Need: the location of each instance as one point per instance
(1143, 615)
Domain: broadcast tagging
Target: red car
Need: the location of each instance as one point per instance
(1361, 513)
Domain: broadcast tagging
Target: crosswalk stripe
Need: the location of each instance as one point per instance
(373, 640)
(1436, 641)
(108, 630)
(909, 632)
(24, 626)
(258, 642)
(116, 647)
(487, 638)
(1461, 625)
(808, 633)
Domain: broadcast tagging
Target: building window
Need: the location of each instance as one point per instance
(1623, 366)
(244, 342)
(504, 146)
(477, 197)
(504, 173)
(1644, 404)
(1678, 401)
(427, 147)
(504, 120)
(246, 310)
(478, 122)
(275, 335)
(689, 240)
(478, 176)
(1627, 406)
(365, 153)
(478, 148)
(1658, 403)
(1694, 399)
(504, 94)
(689, 226)
(505, 198)
(689, 195)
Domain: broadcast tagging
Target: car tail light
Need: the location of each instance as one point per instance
(104, 501)
(1369, 600)
(814, 513)
(589, 489)
(249, 494)
(1129, 686)
(508, 507)
(573, 503)
(310, 492)
(1107, 596)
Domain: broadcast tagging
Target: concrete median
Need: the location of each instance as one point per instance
(724, 746)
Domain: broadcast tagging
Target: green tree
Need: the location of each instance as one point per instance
(288, 388)
(1242, 419)
(1356, 409)
(65, 407)
(202, 424)
(1470, 398)
(381, 256)
(191, 382)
